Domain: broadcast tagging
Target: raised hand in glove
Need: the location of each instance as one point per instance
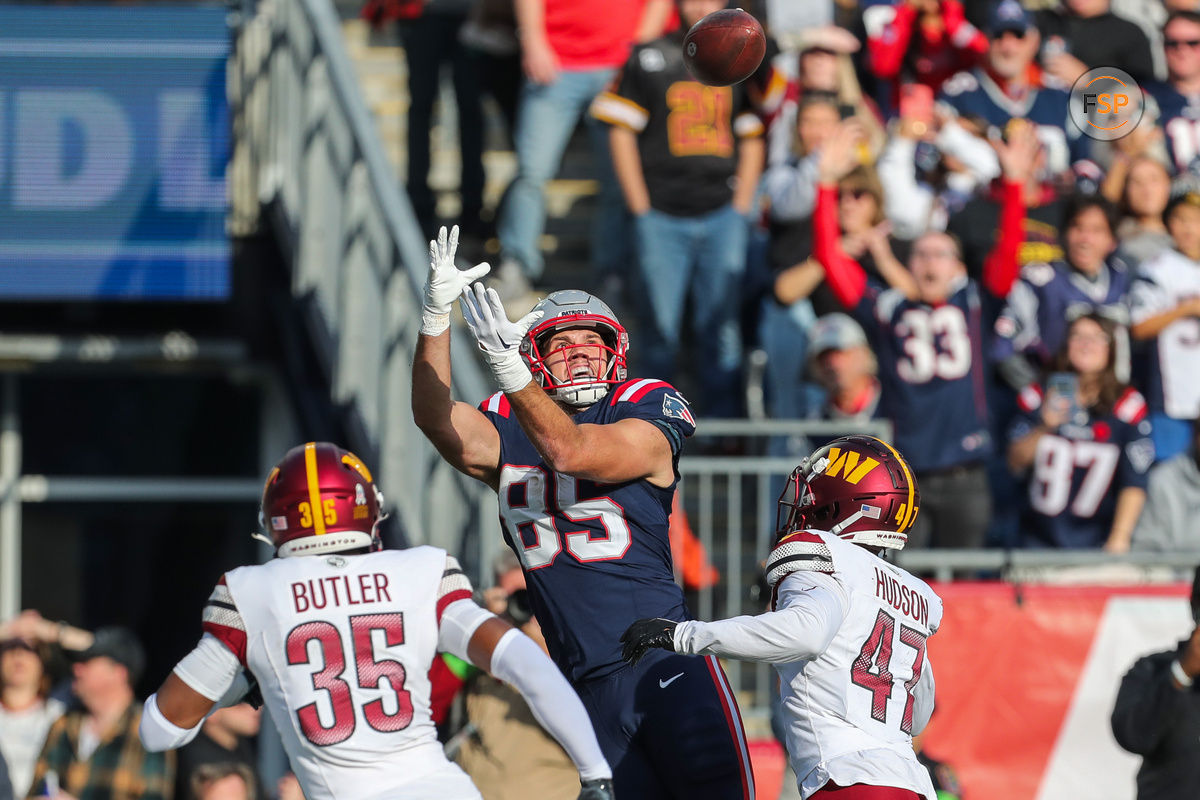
(598, 789)
(498, 337)
(646, 633)
(446, 281)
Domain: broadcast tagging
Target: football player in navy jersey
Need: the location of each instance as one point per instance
(928, 333)
(1178, 98)
(1087, 452)
(585, 465)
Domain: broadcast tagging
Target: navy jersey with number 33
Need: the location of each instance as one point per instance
(596, 556)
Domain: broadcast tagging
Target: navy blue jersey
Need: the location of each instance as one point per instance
(1179, 117)
(596, 556)
(1047, 297)
(1080, 467)
(931, 367)
(975, 94)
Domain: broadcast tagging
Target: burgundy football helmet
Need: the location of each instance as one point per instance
(318, 499)
(573, 308)
(857, 487)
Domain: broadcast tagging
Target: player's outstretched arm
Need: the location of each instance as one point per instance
(490, 643)
(460, 432)
(629, 449)
(811, 609)
(208, 678)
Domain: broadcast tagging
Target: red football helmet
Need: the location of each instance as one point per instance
(318, 499)
(857, 487)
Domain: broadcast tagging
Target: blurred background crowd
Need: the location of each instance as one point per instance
(895, 218)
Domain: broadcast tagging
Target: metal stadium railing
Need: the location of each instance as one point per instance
(308, 162)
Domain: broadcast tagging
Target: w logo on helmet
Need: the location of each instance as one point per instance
(847, 463)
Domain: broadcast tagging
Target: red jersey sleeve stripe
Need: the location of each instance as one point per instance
(448, 598)
(232, 638)
(645, 390)
(796, 537)
(1030, 398)
(1131, 407)
(497, 404)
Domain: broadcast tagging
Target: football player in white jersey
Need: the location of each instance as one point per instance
(340, 637)
(847, 630)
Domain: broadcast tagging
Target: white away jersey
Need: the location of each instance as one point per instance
(341, 646)
(847, 637)
(1162, 283)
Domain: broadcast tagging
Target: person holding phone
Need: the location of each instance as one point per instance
(1083, 442)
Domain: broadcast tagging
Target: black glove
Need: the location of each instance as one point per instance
(598, 789)
(646, 633)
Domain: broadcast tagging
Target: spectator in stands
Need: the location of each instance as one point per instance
(1086, 34)
(29, 646)
(1032, 328)
(26, 712)
(1178, 98)
(865, 237)
(1144, 195)
(924, 42)
(491, 32)
(429, 31)
(846, 369)
(1168, 523)
(222, 781)
(690, 189)
(503, 748)
(927, 331)
(225, 741)
(1157, 716)
(820, 63)
(93, 750)
(1009, 86)
(1045, 210)
(932, 168)
(570, 51)
(1084, 443)
(845, 385)
(1165, 300)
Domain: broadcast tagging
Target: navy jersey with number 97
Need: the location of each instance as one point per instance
(596, 556)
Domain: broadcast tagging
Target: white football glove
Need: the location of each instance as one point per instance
(445, 282)
(499, 338)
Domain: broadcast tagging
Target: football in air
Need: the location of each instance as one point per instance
(724, 48)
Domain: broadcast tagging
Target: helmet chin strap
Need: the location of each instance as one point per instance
(261, 538)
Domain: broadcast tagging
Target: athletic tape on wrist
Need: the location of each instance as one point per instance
(433, 324)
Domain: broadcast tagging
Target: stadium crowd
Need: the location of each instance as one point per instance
(899, 212)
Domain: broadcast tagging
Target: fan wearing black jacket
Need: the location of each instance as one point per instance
(1157, 716)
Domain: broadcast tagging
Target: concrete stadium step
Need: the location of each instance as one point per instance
(570, 198)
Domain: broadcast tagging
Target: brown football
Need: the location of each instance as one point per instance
(724, 48)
